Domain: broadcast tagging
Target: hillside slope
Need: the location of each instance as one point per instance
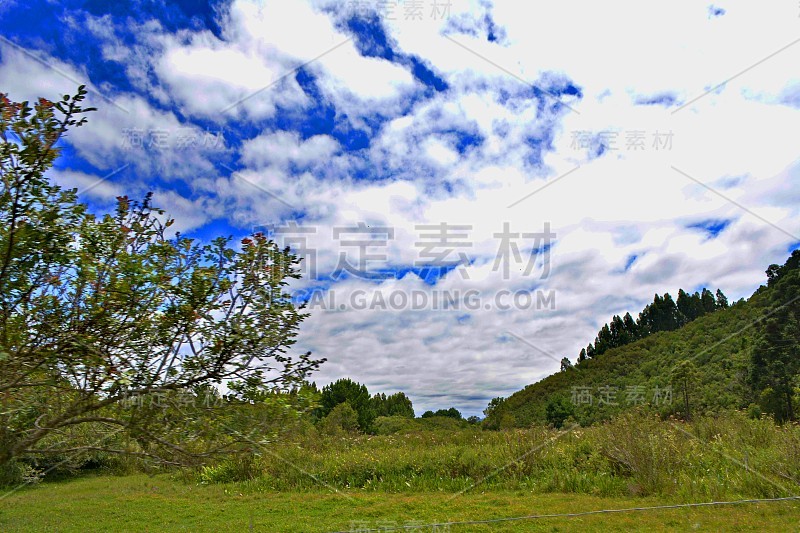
(643, 373)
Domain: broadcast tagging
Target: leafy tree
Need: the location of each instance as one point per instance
(603, 341)
(450, 413)
(397, 404)
(663, 314)
(356, 394)
(629, 330)
(590, 351)
(99, 312)
(495, 404)
(690, 306)
(566, 364)
(342, 418)
(617, 331)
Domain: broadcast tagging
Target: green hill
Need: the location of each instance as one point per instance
(705, 366)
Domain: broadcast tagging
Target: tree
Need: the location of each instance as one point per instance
(450, 413)
(497, 416)
(709, 302)
(495, 404)
(685, 376)
(618, 337)
(689, 305)
(722, 300)
(566, 364)
(342, 418)
(99, 312)
(629, 327)
(397, 404)
(447, 413)
(661, 315)
(356, 394)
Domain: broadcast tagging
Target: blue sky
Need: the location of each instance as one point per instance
(659, 158)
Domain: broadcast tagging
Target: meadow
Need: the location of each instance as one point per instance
(636, 454)
(437, 471)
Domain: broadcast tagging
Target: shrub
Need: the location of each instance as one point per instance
(388, 425)
(232, 469)
(342, 419)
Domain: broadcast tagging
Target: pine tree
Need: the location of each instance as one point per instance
(603, 341)
(617, 332)
(709, 302)
(631, 329)
(685, 306)
(722, 300)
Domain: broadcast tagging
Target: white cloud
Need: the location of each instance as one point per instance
(626, 203)
(283, 148)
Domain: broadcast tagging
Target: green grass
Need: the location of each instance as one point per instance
(634, 455)
(318, 482)
(160, 503)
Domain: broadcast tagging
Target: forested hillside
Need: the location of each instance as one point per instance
(741, 356)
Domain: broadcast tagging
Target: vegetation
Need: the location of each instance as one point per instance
(449, 413)
(147, 503)
(101, 315)
(367, 408)
(702, 356)
(664, 314)
(776, 356)
(634, 454)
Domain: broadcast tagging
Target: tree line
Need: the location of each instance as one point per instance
(663, 314)
(346, 404)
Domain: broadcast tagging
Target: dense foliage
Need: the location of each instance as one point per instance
(776, 356)
(367, 407)
(452, 412)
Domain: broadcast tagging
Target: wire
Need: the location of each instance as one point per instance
(572, 515)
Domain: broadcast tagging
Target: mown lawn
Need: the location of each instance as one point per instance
(143, 503)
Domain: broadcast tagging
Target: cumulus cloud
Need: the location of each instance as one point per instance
(630, 140)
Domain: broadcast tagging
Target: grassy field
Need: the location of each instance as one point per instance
(634, 455)
(161, 503)
(418, 476)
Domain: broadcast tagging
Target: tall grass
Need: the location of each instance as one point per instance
(711, 458)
